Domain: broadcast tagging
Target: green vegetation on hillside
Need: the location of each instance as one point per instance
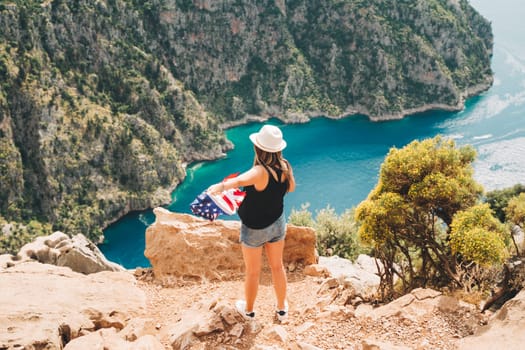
(102, 103)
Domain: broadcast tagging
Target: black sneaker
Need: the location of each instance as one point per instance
(282, 314)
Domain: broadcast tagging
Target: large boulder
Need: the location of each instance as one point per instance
(77, 253)
(505, 330)
(188, 247)
(44, 306)
(361, 275)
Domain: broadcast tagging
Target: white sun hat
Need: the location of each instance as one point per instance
(269, 139)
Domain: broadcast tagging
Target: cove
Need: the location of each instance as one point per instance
(337, 162)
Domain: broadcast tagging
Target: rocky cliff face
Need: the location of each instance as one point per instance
(295, 58)
(103, 102)
(92, 123)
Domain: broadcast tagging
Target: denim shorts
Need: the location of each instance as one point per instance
(255, 238)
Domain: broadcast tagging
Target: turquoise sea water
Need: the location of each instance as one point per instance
(336, 162)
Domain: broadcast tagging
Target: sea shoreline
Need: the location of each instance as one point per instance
(351, 111)
(305, 117)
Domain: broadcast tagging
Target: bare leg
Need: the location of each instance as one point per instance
(274, 252)
(252, 262)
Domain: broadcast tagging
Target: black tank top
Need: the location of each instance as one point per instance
(260, 209)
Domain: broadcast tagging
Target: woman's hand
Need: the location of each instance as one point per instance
(216, 189)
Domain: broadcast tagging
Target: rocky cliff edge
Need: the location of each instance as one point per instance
(53, 307)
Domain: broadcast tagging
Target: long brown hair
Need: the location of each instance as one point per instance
(272, 160)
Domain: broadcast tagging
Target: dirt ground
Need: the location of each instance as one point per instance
(308, 322)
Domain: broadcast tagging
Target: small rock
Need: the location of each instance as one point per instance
(316, 270)
(329, 283)
(306, 346)
(237, 330)
(304, 327)
(278, 333)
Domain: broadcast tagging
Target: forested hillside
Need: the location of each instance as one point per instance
(102, 103)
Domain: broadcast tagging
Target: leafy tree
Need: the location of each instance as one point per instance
(407, 216)
(499, 199)
(515, 210)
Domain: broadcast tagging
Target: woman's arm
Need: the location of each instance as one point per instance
(254, 176)
(291, 178)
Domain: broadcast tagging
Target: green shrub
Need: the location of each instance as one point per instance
(478, 236)
(499, 199)
(336, 234)
(301, 217)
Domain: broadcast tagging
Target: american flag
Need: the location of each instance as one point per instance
(211, 206)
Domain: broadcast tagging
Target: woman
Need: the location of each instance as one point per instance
(262, 216)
